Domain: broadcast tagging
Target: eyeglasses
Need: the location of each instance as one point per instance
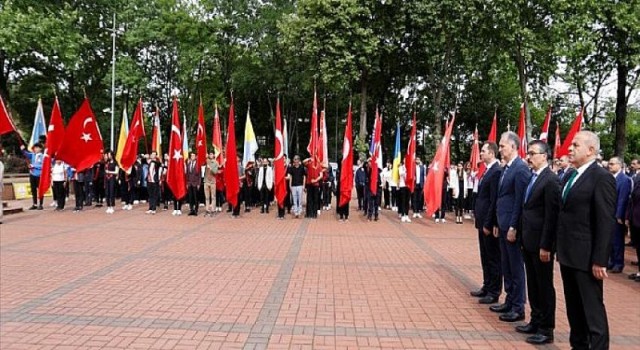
(531, 154)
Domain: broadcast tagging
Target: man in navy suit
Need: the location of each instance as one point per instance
(539, 220)
(511, 189)
(485, 215)
(585, 223)
(623, 189)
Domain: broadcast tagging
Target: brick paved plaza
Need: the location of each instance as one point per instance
(133, 281)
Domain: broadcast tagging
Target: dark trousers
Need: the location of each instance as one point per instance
(58, 193)
(403, 201)
(417, 199)
(635, 238)
(264, 198)
(490, 261)
(154, 195)
(343, 211)
(585, 309)
(394, 196)
(360, 195)
(219, 198)
(236, 208)
(326, 194)
(99, 188)
(617, 246)
(193, 198)
(312, 201)
(110, 187)
(386, 195)
(460, 201)
(542, 294)
(512, 273)
(34, 181)
(88, 193)
(78, 189)
(247, 196)
(372, 209)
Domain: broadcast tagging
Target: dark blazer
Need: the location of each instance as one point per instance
(485, 209)
(623, 189)
(511, 194)
(193, 174)
(540, 213)
(634, 203)
(586, 220)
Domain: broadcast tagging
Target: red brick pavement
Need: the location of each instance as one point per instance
(134, 281)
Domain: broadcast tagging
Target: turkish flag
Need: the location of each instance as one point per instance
(278, 161)
(217, 138)
(558, 143)
(82, 145)
(136, 131)
(544, 132)
(475, 151)
(156, 140)
(55, 136)
(435, 177)
(6, 123)
(373, 181)
(175, 169)
(231, 176)
(493, 134)
(410, 157)
(201, 137)
(522, 134)
(312, 148)
(346, 172)
(575, 128)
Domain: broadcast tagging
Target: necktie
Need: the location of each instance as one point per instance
(503, 173)
(528, 193)
(567, 187)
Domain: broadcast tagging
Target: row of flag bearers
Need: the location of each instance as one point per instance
(79, 145)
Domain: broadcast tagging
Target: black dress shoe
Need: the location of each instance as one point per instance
(540, 339)
(502, 308)
(480, 293)
(527, 329)
(488, 300)
(512, 317)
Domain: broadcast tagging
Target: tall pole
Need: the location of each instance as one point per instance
(113, 76)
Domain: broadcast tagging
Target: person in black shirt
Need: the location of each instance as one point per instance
(296, 175)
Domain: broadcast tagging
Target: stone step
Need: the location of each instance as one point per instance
(7, 210)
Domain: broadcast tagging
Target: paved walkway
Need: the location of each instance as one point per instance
(133, 281)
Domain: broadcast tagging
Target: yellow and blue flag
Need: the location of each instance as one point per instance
(395, 171)
(250, 143)
(122, 139)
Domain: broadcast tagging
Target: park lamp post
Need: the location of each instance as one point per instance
(114, 33)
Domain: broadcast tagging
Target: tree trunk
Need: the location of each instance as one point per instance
(621, 109)
(363, 106)
(522, 77)
(4, 90)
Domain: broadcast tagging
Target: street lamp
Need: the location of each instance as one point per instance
(114, 33)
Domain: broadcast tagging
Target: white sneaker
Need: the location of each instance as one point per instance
(402, 219)
(414, 215)
(153, 212)
(148, 211)
(173, 213)
(443, 220)
(136, 202)
(419, 215)
(437, 221)
(407, 219)
(53, 204)
(178, 212)
(467, 216)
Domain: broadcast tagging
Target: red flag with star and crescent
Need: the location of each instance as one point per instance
(558, 143)
(55, 136)
(544, 132)
(278, 161)
(410, 157)
(175, 169)
(216, 141)
(201, 137)
(435, 176)
(6, 123)
(575, 128)
(231, 176)
(522, 133)
(346, 169)
(82, 145)
(136, 131)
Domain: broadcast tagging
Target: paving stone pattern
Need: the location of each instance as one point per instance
(133, 281)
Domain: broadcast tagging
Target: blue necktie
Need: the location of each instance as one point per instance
(503, 173)
(528, 193)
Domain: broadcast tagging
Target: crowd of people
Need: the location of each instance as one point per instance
(534, 211)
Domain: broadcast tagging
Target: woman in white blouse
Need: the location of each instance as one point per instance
(59, 179)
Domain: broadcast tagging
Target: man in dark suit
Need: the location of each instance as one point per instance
(623, 189)
(193, 183)
(585, 223)
(485, 216)
(564, 167)
(511, 188)
(633, 214)
(539, 219)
